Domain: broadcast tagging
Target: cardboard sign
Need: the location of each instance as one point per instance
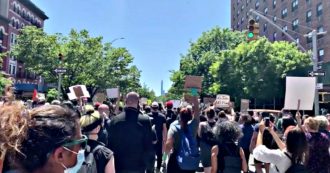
(113, 93)
(79, 91)
(245, 104)
(300, 88)
(144, 100)
(222, 101)
(72, 96)
(190, 99)
(208, 100)
(193, 82)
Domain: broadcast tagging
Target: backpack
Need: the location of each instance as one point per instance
(188, 156)
(233, 162)
(295, 167)
(89, 165)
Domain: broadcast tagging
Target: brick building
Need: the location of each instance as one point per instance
(297, 17)
(14, 15)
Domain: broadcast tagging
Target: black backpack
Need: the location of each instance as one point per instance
(89, 165)
(296, 167)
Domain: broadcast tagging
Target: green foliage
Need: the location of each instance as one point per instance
(230, 65)
(146, 92)
(3, 80)
(200, 58)
(87, 60)
(52, 95)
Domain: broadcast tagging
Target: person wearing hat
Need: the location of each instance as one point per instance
(159, 121)
(90, 126)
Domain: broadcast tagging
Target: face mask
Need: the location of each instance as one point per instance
(80, 161)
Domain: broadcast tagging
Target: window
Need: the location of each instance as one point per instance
(284, 13)
(309, 37)
(274, 3)
(265, 27)
(308, 2)
(295, 24)
(319, 9)
(242, 19)
(309, 16)
(294, 5)
(242, 8)
(257, 4)
(257, 18)
(320, 29)
(297, 40)
(285, 28)
(275, 19)
(266, 10)
(1, 35)
(321, 54)
(12, 39)
(274, 36)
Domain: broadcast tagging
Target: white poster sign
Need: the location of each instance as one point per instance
(176, 103)
(79, 91)
(222, 101)
(144, 100)
(71, 96)
(113, 93)
(300, 88)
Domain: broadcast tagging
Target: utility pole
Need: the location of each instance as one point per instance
(60, 57)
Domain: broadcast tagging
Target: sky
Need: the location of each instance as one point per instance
(156, 32)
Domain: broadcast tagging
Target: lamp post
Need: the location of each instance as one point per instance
(120, 38)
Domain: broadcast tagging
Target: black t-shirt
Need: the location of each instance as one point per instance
(130, 138)
(101, 155)
(158, 119)
(171, 116)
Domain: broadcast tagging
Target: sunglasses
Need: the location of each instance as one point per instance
(82, 142)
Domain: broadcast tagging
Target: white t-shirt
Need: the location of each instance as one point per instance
(275, 157)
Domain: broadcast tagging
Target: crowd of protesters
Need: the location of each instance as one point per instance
(61, 137)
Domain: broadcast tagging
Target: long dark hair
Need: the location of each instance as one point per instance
(185, 116)
(297, 145)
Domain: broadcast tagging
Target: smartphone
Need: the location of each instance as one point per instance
(267, 120)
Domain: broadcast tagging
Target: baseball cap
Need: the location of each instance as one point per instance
(154, 105)
(169, 104)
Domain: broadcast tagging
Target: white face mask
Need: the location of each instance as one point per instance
(80, 161)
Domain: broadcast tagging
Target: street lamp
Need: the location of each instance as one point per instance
(121, 38)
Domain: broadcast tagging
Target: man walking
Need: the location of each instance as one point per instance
(130, 137)
(159, 121)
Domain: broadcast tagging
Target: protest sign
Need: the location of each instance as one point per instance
(176, 103)
(71, 96)
(193, 82)
(144, 100)
(113, 93)
(222, 101)
(300, 88)
(245, 104)
(208, 100)
(79, 91)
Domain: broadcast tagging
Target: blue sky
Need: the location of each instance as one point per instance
(156, 32)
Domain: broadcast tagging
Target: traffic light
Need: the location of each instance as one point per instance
(253, 30)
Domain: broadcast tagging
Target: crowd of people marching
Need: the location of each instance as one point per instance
(61, 137)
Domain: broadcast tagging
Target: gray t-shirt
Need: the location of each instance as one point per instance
(174, 132)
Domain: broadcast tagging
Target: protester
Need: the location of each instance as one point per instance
(95, 150)
(207, 139)
(227, 157)
(171, 116)
(319, 156)
(323, 125)
(185, 128)
(247, 129)
(53, 143)
(130, 138)
(290, 153)
(13, 124)
(159, 121)
(104, 112)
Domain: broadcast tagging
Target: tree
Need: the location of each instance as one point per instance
(146, 92)
(3, 80)
(87, 60)
(201, 56)
(257, 69)
(52, 95)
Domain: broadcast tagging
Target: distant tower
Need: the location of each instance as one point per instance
(162, 92)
